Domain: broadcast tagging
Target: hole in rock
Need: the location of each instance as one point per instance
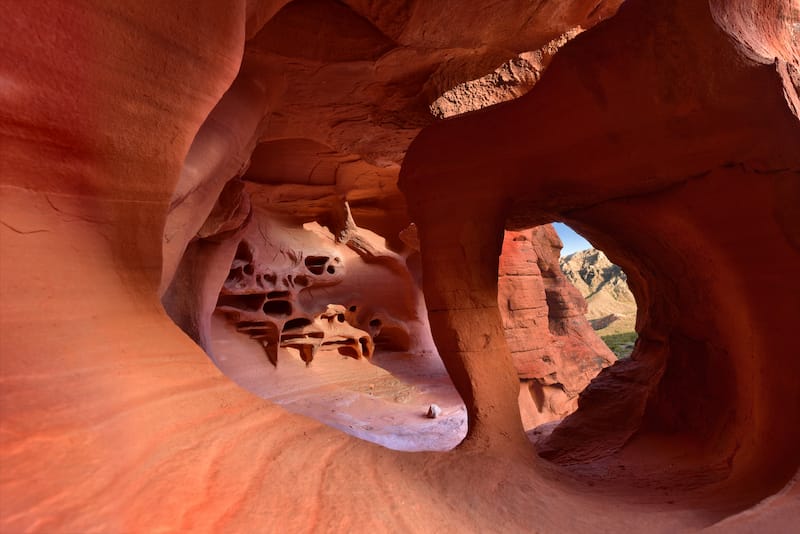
(316, 264)
(346, 350)
(244, 253)
(288, 350)
(392, 338)
(244, 302)
(278, 307)
(612, 408)
(300, 322)
(567, 314)
(610, 305)
(316, 347)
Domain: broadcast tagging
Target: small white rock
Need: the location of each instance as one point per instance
(434, 411)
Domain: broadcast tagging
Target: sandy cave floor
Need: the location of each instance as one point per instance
(384, 401)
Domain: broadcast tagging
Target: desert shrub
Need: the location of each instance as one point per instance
(621, 344)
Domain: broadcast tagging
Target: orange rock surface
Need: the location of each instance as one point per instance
(139, 140)
(554, 349)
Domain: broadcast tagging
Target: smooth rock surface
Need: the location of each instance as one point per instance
(667, 134)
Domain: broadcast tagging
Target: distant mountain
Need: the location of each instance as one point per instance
(612, 308)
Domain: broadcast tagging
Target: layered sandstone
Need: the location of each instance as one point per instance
(667, 134)
(629, 148)
(554, 349)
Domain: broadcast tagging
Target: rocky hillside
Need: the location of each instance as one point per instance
(612, 308)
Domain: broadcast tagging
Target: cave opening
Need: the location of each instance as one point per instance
(613, 402)
(672, 127)
(380, 312)
(610, 304)
(560, 300)
(333, 330)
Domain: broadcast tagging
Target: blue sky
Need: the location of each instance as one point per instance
(573, 242)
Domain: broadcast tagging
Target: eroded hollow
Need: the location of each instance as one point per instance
(323, 329)
(548, 302)
(278, 307)
(316, 264)
(246, 302)
(637, 422)
(678, 379)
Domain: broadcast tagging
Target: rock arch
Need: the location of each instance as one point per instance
(664, 167)
(113, 419)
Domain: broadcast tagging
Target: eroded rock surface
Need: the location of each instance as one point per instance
(267, 295)
(668, 134)
(554, 349)
(636, 125)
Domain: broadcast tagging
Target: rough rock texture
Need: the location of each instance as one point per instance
(629, 148)
(333, 157)
(288, 294)
(381, 64)
(555, 351)
(268, 295)
(668, 134)
(611, 307)
(510, 80)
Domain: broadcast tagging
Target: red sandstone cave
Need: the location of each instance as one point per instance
(246, 245)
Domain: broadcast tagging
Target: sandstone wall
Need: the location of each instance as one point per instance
(554, 349)
(667, 134)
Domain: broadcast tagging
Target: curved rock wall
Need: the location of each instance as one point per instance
(655, 133)
(664, 158)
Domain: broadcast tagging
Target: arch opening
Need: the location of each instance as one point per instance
(610, 304)
(567, 314)
(329, 328)
(651, 420)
